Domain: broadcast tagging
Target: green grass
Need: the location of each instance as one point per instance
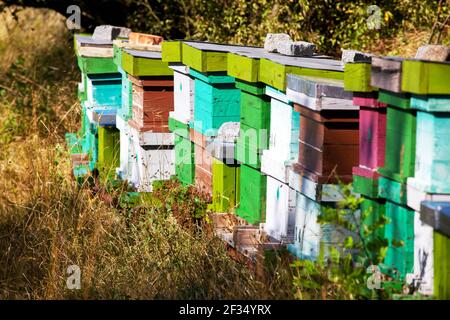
(162, 248)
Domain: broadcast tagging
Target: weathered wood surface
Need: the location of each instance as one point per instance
(386, 73)
(280, 210)
(367, 99)
(372, 137)
(329, 144)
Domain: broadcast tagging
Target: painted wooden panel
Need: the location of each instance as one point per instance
(372, 137)
(224, 186)
(400, 144)
(329, 144)
(273, 70)
(319, 93)
(367, 99)
(203, 170)
(431, 103)
(108, 150)
(242, 67)
(365, 186)
(426, 77)
(423, 256)
(252, 200)
(183, 91)
(152, 163)
(313, 190)
(392, 190)
(400, 230)
(178, 128)
(254, 110)
(144, 63)
(280, 210)
(357, 77)
(249, 157)
(386, 73)
(171, 51)
(214, 104)
(122, 170)
(441, 266)
(432, 157)
(272, 166)
(415, 196)
(105, 90)
(184, 160)
(373, 210)
(436, 215)
(96, 65)
(397, 99)
(125, 110)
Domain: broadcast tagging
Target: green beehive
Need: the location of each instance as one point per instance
(225, 179)
(184, 160)
(373, 210)
(400, 144)
(392, 190)
(441, 245)
(252, 199)
(399, 231)
(179, 128)
(108, 150)
(365, 186)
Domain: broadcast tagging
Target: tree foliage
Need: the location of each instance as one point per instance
(330, 24)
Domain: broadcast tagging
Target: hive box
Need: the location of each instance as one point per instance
(252, 201)
(329, 144)
(184, 160)
(310, 237)
(183, 91)
(216, 101)
(280, 210)
(255, 124)
(104, 90)
(432, 156)
(152, 102)
(225, 190)
(108, 150)
(152, 158)
(386, 73)
(400, 144)
(399, 258)
(283, 140)
(203, 170)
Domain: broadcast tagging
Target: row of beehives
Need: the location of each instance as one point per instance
(264, 143)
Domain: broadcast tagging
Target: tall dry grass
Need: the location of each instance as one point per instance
(48, 223)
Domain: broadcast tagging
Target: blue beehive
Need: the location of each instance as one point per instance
(216, 101)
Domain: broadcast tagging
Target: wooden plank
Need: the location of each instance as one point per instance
(184, 160)
(273, 73)
(423, 256)
(425, 77)
(224, 186)
(386, 73)
(415, 196)
(280, 211)
(431, 103)
(400, 100)
(400, 144)
(441, 266)
(357, 77)
(432, 155)
(392, 190)
(171, 51)
(367, 99)
(399, 259)
(436, 215)
(365, 186)
(372, 137)
(252, 201)
(95, 65)
(144, 63)
(242, 67)
(183, 97)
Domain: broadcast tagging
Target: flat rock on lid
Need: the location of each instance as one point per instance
(108, 32)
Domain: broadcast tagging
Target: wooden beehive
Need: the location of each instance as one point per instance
(203, 170)
(329, 144)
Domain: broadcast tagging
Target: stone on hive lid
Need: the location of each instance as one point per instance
(433, 53)
(355, 56)
(108, 32)
(144, 39)
(273, 39)
(296, 48)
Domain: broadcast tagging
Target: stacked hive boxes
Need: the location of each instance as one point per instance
(428, 84)
(328, 148)
(399, 157)
(372, 139)
(96, 145)
(147, 153)
(205, 101)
